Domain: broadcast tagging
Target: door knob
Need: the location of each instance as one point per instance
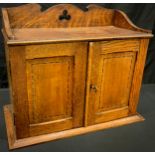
(93, 87)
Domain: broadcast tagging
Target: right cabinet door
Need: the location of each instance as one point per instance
(110, 73)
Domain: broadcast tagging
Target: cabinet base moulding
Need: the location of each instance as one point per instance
(17, 143)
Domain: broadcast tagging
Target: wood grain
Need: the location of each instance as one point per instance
(55, 86)
(9, 74)
(138, 74)
(56, 76)
(121, 20)
(6, 24)
(19, 90)
(111, 73)
(10, 128)
(31, 16)
(121, 46)
(21, 14)
(95, 16)
(63, 134)
(43, 35)
(70, 70)
(28, 24)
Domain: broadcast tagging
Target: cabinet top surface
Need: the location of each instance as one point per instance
(66, 22)
(32, 35)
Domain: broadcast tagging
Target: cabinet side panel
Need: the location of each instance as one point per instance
(8, 71)
(138, 74)
(19, 90)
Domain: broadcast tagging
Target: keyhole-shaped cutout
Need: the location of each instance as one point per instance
(65, 15)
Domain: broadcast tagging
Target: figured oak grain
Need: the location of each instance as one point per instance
(94, 16)
(56, 85)
(18, 143)
(42, 35)
(71, 71)
(28, 24)
(56, 76)
(19, 90)
(112, 67)
(138, 75)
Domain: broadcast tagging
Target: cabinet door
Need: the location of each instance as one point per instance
(55, 84)
(111, 68)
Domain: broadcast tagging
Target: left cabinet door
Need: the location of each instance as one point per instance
(48, 87)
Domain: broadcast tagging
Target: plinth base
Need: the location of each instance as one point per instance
(17, 143)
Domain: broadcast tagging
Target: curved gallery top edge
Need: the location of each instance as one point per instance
(64, 16)
(31, 16)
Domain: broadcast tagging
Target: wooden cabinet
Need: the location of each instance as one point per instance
(74, 74)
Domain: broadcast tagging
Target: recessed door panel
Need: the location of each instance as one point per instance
(110, 80)
(51, 82)
(115, 80)
(55, 86)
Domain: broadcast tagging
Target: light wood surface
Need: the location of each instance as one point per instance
(121, 20)
(93, 16)
(112, 70)
(71, 71)
(54, 87)
(6, 24)
(97, 23)
(23, 13)
(17, 143)
(19, 89)
(138, 75)
(41, 35)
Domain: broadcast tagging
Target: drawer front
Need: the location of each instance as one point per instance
(55, 83)
(111, 69)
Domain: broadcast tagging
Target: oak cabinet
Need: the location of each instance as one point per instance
(74, 74)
